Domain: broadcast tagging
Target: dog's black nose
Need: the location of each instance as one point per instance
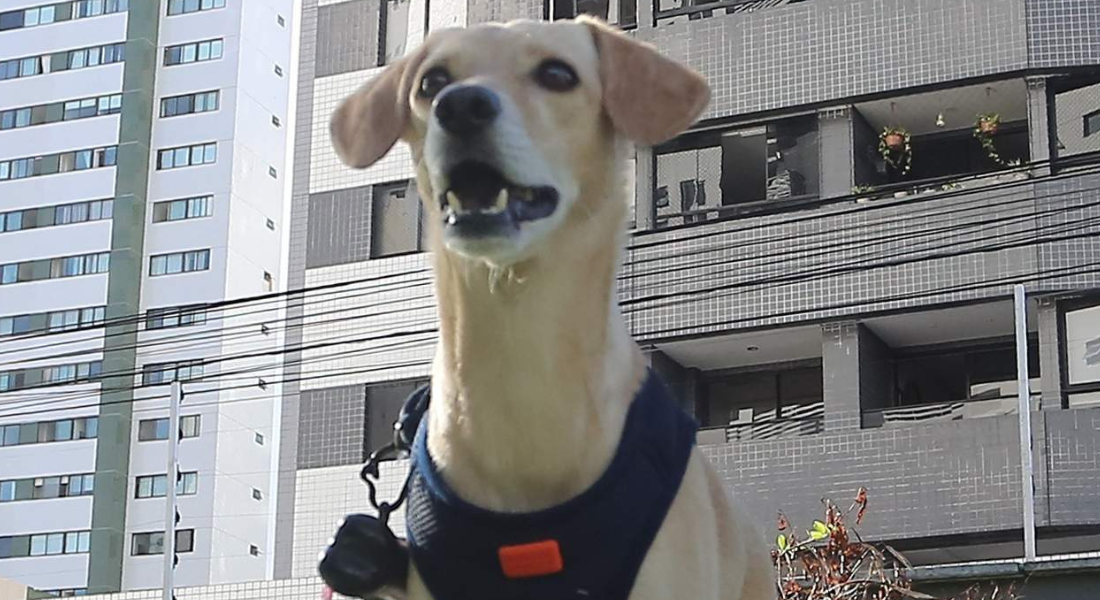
(465, 110)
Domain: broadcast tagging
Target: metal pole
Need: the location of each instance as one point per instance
(1024, 410)
(170, 483)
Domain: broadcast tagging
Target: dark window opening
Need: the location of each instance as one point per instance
(953, 383)
(1092, 123)
(711, 175)
(393, 30)
(765, 403)
(397, 220)
(623, 13)
(384, 402)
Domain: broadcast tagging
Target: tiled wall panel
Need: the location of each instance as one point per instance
(1063, 32)
(324, 496)
(904, 253)
(331, 427)
(339, 227)
(347, 37)
(380, 328)
(482, 11)
(826, 50)
(327, 172)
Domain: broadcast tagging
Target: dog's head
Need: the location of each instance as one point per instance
(514, 128)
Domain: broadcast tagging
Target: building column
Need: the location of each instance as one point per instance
(1039, 123)
(855, 365)
(681, 381)
(1050, 354)
(840, 366)
(108, 544)
(835, 156)
(645, 213)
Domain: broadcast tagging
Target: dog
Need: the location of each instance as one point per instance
(519, 133)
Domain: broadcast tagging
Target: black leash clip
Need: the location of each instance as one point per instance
(365, 556)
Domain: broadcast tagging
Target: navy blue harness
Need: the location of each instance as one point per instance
(590, 547)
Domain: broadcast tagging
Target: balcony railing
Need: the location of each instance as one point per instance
(667, 9)
(946, 411)
(794, 421)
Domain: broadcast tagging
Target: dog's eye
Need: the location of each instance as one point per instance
(556, 76)
(433, 81)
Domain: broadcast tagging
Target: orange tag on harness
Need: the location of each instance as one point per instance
(531, 560)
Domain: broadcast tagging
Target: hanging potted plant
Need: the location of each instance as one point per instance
(988, 123)
(984, 129)
(894, 146)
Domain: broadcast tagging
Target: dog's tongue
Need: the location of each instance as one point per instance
(476, 185)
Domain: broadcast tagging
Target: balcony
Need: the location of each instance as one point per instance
(668, 10)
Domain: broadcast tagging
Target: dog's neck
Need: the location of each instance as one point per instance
(533, 375)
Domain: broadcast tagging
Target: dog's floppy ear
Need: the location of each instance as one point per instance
(649, 97)
(369, 122)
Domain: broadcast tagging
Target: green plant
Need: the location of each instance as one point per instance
(895, 148)
(862, 189)
(984, 129)
(833, 563)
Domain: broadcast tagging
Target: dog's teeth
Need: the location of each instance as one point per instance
(502, 201)
(452, 200)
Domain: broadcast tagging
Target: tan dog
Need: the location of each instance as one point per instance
(518, 132)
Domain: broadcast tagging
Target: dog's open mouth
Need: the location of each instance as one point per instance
(480, 201)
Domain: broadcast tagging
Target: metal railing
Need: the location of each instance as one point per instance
(662, 10)
(945, 411)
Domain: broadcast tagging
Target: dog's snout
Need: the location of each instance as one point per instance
(466, 110)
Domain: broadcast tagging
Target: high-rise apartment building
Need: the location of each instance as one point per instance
(833, 306)
(143, 146)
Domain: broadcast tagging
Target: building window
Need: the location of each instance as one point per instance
(23, 67)
(193, 52)
(49, 431)
(50, 544)
(77, 160)
(156, 486)
(70, 110)
(623, 13)
(67, 592)
(187, 156)
(1081, 340)
(179, 262)
(765, 403)
(397, 220)
(394, 30)
(174, 316)
(715, 174)
(150, 430)
(161, 373)
(93, 57)
(182, 7)
(94, 8)
(187, 104)
(72, 373)
(1092, 123)
(44, 488)
(147, 544)
(16, 325)
(76, 318)
(184, 208)
(55, 268)
(48, 216)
